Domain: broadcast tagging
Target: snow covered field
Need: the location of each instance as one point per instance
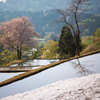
(83, 88)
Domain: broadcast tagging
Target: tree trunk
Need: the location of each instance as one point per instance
(19, 53)
(77, 46)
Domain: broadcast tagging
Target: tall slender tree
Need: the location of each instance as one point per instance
(18, 33)
(75, 9)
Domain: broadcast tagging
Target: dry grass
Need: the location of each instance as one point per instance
(15, 62)
(6, 69)
(88, 99)
(13, 71)
(90, 48)
(35, 71)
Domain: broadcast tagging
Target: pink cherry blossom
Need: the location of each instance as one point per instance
(18, 33)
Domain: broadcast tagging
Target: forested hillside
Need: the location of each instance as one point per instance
(44, 18)
(33, 5)
(46, 22)
(43, 5)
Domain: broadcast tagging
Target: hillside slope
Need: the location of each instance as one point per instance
(32, 5)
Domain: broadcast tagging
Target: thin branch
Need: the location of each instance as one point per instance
(83, 23)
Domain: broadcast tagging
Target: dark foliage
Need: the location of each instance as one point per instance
(66, 43)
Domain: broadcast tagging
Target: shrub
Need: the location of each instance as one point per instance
(96, 40)
(92, 47)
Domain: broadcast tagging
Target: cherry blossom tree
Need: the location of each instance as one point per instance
(17, 34)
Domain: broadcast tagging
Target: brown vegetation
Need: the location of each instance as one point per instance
(91, 48)
(16, 61)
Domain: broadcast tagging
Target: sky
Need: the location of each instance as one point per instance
(3, 0)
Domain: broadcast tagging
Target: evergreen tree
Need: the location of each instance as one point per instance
(66, 43)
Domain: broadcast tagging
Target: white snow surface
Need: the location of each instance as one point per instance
(82, 88)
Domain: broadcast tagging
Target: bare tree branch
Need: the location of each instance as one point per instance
(76, 7)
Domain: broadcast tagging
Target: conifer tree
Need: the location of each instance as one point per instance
(66, 43)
